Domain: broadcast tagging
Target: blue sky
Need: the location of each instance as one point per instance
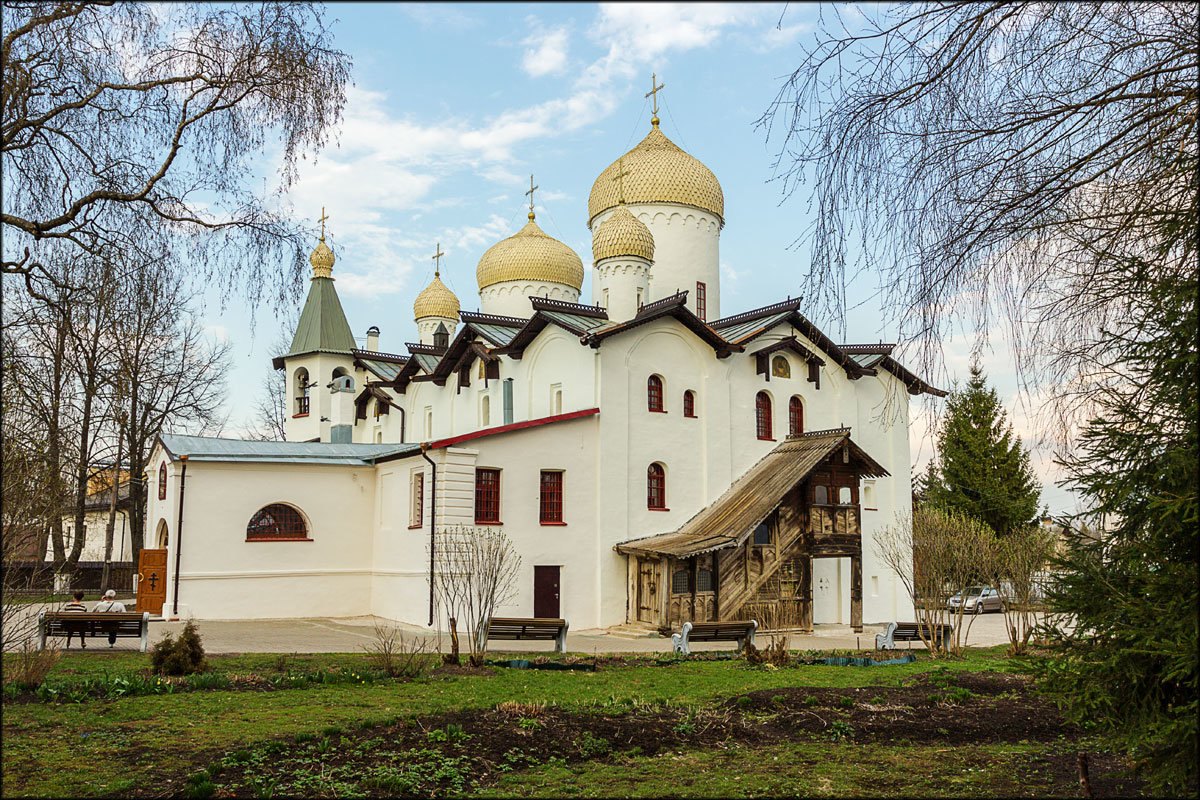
(454, 106)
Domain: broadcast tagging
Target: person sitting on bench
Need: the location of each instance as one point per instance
(109, 603)
(76, 606)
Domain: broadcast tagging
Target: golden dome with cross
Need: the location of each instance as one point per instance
(658, 171)
(622, 234)
(436, 299)
(530, 255)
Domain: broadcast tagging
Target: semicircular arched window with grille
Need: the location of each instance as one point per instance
(277, 522)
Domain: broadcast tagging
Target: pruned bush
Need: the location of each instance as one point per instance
(31, 666)
(397, 655)
(182, 656)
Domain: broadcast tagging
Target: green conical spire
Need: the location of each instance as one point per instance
(323, 327)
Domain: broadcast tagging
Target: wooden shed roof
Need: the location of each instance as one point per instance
(736, 513)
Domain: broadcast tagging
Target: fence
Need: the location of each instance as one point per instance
(37, 577)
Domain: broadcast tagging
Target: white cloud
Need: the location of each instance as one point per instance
(546, 53)
(403, 160)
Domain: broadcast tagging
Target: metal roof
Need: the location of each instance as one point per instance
(740, 330)
(322, 327)
(575, 322)
(730, 519)
(208, 448)
(498, 335)
(427, 361)
(388, 370)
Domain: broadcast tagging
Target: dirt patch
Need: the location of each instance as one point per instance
(450, 753)
(980, 708)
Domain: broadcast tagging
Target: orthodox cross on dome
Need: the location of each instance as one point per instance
(619, 178)
(322, 219)
(654, 93)
(437, 259)
(532, 189)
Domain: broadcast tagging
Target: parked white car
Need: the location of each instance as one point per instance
(978, 599)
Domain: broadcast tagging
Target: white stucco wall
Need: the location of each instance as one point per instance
(686, 250)
(223, 576)
(511, 298)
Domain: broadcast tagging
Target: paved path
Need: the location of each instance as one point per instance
(352, 634)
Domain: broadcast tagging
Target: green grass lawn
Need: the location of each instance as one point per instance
(301, 740)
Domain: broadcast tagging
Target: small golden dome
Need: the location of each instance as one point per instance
(322, 260)
(622, 234)
(530, 255)
(436, 300)
(658, 171)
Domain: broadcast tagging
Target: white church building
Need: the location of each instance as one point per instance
(651, 459)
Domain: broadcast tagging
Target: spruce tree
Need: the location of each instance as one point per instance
(982, 470)
(1128, 660)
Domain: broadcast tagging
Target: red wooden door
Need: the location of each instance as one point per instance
(152, 580)
(545, 592)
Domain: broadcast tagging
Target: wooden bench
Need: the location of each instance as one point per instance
(123, 625)
(519, 629)
(738, 630)
(912, 632)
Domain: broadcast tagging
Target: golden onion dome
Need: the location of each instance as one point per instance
(436, 300)
(657, 171)
(622, 234)
(322, 260)
(530, 255)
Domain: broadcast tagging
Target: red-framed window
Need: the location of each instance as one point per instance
(277, 522)
(162, 481)
(701, 301)
(656, 487)
(654, 393)
(551, 507)
(795, 416)
(689, 403)
(762, 415)
(487, 495)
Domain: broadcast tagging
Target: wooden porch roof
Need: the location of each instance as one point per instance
(752, 497)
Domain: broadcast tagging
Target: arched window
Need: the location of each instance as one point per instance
(654, 393)
(301, 391)
(762, 415)
(656, 487)
(820, 496)
(780, 368)
(162, 481)
(485, 411)
(762, 534)
(704, 580)
(276, 523)
(795, 416)
(844, 496)
(689, 403)
(681, 582)
(163, 535)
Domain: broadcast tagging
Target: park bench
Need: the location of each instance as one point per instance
(911, 632)
(123, 625)
(738, 630)
(535, 629)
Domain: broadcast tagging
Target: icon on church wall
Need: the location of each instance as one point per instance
(780, 368)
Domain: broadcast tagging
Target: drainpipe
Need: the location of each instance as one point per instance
(432, 519)
(179, 534)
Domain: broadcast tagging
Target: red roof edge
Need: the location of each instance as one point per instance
(515, 426)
